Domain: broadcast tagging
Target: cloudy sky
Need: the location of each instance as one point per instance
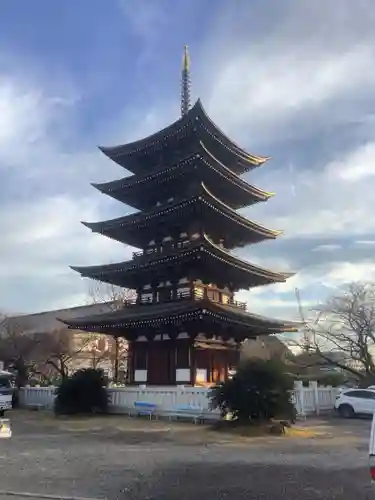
(290, 79)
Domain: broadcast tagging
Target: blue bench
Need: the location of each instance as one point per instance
(145, 408)
(187, 411)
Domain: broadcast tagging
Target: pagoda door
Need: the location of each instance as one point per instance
(159, 364)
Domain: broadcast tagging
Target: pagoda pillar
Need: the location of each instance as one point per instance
(154, 293)
(193, 366)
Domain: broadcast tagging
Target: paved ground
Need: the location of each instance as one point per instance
(131, 460)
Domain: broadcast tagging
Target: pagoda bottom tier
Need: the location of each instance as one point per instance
(184, 361)
(181, 342)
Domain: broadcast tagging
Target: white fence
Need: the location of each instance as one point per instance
(311, 400)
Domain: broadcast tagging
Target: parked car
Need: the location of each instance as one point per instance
(355, 402)
(6, 392)
(372, 450)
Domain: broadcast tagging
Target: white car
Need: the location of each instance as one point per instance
(353, 402)
(372, 450)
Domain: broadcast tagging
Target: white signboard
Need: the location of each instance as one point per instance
(5, 428)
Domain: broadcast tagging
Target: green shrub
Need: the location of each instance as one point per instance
(258, 392)
(82, 393)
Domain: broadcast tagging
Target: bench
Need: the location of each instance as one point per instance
(37, 406)
(187, 411)
(145, 408)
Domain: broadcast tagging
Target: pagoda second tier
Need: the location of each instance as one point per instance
(144, 191)
(201, 212)
(184, 262)
(174, 142)
(173, 319)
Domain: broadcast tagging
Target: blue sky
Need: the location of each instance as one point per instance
(293, 80)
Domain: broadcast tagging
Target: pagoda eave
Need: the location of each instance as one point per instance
(203, 258)
(141, 191)
(230, 226)
(195, 124)
(133, 320)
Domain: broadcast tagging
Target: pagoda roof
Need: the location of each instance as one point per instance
(129, 229)
(137, 190)
(137, 318)
(194, 121)
(201, 253)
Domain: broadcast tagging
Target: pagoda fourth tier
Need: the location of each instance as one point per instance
(175, 142)
(200, 211)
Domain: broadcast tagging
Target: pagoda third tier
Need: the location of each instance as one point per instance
(146, 190)
(201, 212)
(183, 262)
(176, 141)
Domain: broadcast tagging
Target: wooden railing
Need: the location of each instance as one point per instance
(149, 300)
(236, 303)
(184, 295)
(161, 249)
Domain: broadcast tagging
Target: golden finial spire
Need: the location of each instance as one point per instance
(186, 59)
(185, 82)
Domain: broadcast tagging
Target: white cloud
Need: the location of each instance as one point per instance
(288, 74)
(44, 237)
(265, 90)
(346, 272)
(356, 167)
(364, 243)
(45, 192)
(315, 284)
(327, 248)
(325, 202)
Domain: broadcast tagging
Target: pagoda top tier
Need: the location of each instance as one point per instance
(178, 140)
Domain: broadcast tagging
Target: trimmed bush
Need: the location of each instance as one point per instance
(82, 393)
(258, 392)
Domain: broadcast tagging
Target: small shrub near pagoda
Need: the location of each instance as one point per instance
(82, 393)
(259, 392)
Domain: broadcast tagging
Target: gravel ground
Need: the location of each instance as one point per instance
(133, 460)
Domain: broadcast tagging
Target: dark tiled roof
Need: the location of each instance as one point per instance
(142, 314)
(46, 321)
(196, 112)
(204, 247)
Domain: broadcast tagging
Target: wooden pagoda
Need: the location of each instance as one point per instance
(185, 327)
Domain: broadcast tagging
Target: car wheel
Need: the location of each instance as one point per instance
(346, 411)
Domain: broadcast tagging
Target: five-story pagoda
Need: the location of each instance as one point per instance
(184, 326)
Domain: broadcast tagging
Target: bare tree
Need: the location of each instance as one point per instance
(63, 348)
(116, 299)
(342, 331)
(18, 349)
(114, 296)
